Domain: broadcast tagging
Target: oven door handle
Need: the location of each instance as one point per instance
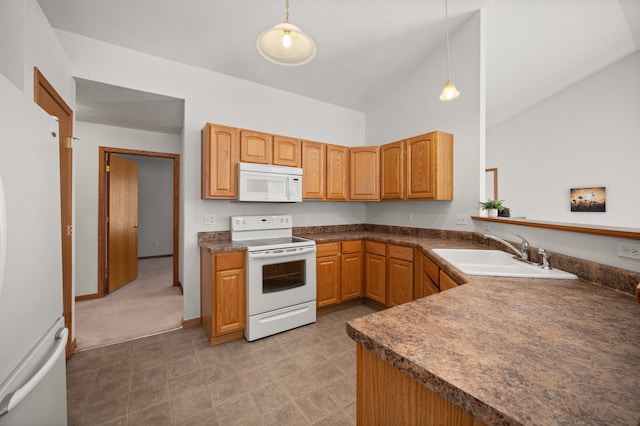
(284, 253)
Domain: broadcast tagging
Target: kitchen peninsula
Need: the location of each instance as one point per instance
(502, 351)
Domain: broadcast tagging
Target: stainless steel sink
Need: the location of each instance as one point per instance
(497, 263)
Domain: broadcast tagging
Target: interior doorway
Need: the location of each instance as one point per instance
(103, 240)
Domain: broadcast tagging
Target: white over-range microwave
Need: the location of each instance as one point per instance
(267, 183)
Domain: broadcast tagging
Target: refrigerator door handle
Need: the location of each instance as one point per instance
(10, 401)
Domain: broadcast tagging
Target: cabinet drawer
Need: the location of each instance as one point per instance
(431, 269)
(400, 252)
(376, 248)
(352, 246)
(226, 261)
(327, 249)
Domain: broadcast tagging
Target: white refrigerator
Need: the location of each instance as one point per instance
(32, 333)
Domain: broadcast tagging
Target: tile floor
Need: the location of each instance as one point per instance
(304, 376)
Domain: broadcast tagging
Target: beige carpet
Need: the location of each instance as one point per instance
(146, 306)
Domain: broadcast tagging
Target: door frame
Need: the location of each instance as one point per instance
(102, 210)
(66, 204)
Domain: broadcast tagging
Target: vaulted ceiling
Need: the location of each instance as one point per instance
(534, 48)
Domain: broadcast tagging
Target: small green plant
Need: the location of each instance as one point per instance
(492, 204)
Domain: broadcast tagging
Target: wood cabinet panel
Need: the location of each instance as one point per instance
(399, 282)
(364, 173)
(230, 301)
(327, 249)
(400, 252)
(220, 156)
(376, 247)
(328, 280)
(430, 166)
(446, 282)
(337, 174)
(313, 170)
(387, 396)
(427, 288)
(431, 269)
(287, 151)
(352, 268)
(256, 147)
(375, 277)
(353, 246)
(392, 171)
(226, 261)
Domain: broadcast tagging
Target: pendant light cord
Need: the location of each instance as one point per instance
(446, 26)
(286, 16)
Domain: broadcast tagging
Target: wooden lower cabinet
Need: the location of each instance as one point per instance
(375, 271)
(386, 396)
(446, 282)
(399, 275)
(430, 282)
(352, 267)
(222, 295)
(327, 274)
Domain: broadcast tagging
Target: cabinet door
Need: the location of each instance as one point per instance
(364, 173)
(446, 282)
(400, 282)
(430, 166)
(256, 147)
(287, 151)
(220, 156)
(313, 170)
(392, 173)
(230, 301)
(328, 280)
(351, 276)
(428, 287)
(375, 277)
(337, 172)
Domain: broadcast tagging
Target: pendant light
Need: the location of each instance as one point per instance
(449, 91)
(285, 44)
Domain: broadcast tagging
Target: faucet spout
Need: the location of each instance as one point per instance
(506, 243)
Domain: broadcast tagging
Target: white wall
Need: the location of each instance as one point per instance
(217, 98)
(12, 41)
(155, 205)
(91, 136)
(586, 135)
(413, 107)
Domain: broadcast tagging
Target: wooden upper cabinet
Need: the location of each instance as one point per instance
(364, 173)
(220, 156)
(430, 166)
(337, 175)
(392, 173)
(287, 151)
(313, 170)
(256, 147)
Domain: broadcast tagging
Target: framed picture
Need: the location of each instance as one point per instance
(588, 199)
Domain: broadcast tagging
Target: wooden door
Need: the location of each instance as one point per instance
(328, 280)
(220, 156)
(287, 151)
(49, 100)
(364, 173)
(313, 170)
(337, 172)
(230, 301)
(352, 270)
(375, 277)
(400, 282)
(122, 222)
(392, 174)
(256, 147)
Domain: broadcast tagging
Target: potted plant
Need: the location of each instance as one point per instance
(492, 207)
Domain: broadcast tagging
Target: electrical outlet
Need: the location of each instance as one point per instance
(486, 227)
(462, 219)
(628, 249)
(209, 219)
(410, 217)
(305, 218)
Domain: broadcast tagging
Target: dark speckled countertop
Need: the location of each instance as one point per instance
(511, 350)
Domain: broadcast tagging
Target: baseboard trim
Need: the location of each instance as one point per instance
(155, 257)
(179, 284)
(191, 323)
(87, 297)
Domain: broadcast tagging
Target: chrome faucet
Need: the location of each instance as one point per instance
(523, 254)
(545, 258)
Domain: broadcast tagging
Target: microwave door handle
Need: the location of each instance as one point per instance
(290, 188)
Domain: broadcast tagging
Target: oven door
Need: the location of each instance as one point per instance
(280, 278)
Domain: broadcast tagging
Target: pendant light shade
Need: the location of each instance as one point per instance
(449, 91)
(285, 44)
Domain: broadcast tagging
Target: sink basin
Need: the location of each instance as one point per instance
(497, 263)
